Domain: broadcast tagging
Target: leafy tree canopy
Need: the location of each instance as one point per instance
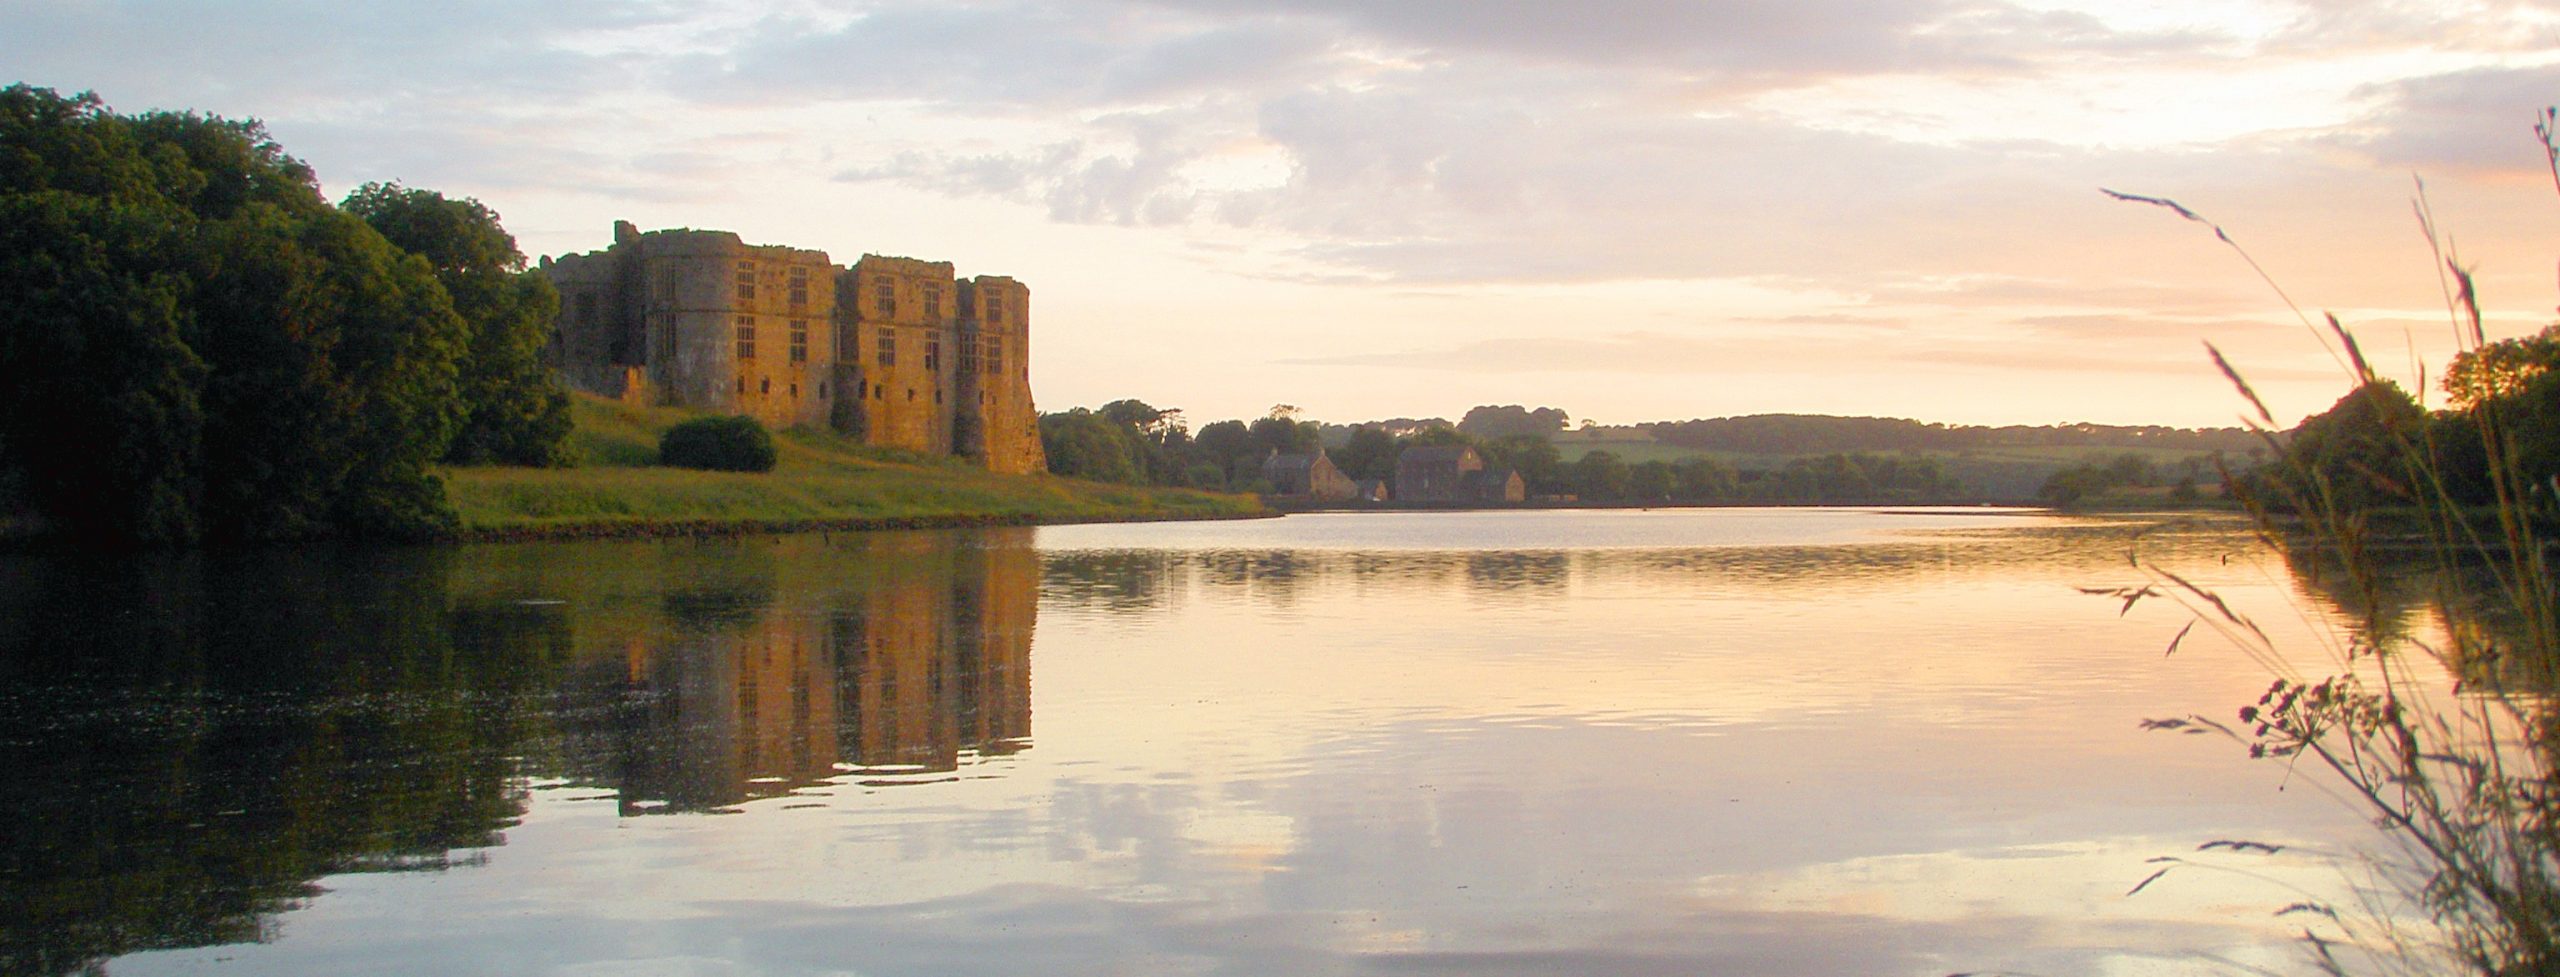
(198, 345)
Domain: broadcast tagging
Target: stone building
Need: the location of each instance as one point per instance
(1435, 473)
(1311, 476)
(1454, 474)
(895, 351)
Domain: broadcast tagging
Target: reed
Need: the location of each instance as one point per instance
(2461, 777)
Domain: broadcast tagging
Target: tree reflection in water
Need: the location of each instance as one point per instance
(191, 741)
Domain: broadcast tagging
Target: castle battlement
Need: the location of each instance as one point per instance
(895, 351)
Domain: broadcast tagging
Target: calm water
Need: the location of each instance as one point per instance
(1814, 742)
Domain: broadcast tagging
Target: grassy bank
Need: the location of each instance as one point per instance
(821, 481)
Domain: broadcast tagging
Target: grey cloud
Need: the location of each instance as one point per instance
(1000, 57)
(1745, 38)
(1759, 353)
(2327, 27)
(302, 55)
(2477, 121)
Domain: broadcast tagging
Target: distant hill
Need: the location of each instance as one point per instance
(1797, 434)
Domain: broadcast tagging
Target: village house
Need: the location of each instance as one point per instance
(1454, 475)
(1435, 473)
(1311, 477)
(893, 351)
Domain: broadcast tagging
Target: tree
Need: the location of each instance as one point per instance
(318, 358)
(1600, 475)
(101, 401)
(1222, 443)
(1370, 453)
(722, 444)
(1706, 478)
(518, 413)
(1541, 468)
(2501, 369)
(1083, 444)
(1511, 419)
(1284, 435)
(2358, 453)
(1652, 480)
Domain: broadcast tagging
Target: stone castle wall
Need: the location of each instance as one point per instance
(702, 319)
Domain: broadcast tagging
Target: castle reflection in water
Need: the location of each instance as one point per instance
(196, 738)
(915, 662)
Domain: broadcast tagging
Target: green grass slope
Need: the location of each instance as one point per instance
(820, 481)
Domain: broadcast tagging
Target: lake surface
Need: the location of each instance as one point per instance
(1742, 741)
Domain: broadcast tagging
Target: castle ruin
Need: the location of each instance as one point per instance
(893, 351)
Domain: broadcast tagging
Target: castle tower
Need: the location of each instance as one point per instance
(997, 422)
(896, 314)
(702, 319)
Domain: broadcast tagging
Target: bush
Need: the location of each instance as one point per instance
(725, 444)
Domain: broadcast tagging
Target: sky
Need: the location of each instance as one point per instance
(1632, 210)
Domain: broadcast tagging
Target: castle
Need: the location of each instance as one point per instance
(894, 351)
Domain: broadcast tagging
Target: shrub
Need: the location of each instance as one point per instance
(725, 444)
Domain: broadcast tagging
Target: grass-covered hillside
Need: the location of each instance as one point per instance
(820, 481)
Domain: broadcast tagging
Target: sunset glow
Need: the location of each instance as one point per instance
(1631, 209)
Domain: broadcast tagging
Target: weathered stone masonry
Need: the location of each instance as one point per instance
(895, 351)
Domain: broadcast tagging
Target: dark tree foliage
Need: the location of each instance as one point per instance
(1083, 444)
(100, 398)
(1779, 434)
(2358, 454)
(1601, 476)
(249, 362)
(1540, 466)
(720, 444)
(518, 410)
(1280, 434)
(1512, 419)
(1222, 443)
(1132, 441)
(1369, 453)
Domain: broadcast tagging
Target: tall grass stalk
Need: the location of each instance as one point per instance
(2461, 775)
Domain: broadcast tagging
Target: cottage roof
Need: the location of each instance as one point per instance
(1289, 463)
(1434, 454)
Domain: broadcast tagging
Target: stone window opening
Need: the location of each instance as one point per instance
(799, 287)
(884, 298)
(995, 356)
(795, 391)
(764, 386)
(933, 301)
(911, 395)
(746, 279)
(879, 393)
(822, 390)
(995, 307)
(933, 355)
(746, 337)
(799, 340)
(742, 385)
(937, 395)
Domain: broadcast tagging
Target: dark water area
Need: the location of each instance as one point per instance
(1704, 741)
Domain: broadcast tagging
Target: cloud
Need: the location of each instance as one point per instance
(2478, 121)
(1001, 58)
(309, 56)
(2327, 28)
(1763, 352)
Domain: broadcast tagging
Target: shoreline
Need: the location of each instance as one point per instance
(729, 528)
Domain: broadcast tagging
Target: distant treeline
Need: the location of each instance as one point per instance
(1131, 441)
(1795, 434)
